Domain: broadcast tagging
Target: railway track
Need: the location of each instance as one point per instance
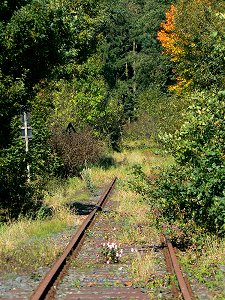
(47, 289)
(183, 289)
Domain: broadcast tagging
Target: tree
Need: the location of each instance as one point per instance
(131, 52)
(55, 36)
(193, 37)
(41, 41)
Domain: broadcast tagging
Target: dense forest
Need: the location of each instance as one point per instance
(91, 72)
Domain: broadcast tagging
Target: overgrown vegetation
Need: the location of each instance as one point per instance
(139, 217)
(35, 247)
(194, 188)
(102, 76)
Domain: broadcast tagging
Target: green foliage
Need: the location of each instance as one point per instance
(11, 93)
(158, 113)
(139, 182)
(194, 187)
(84, 101)
(86, 176)
(8, 7)
(16, 195)
(200, 30)
(191, 192)
(56, 36)
(132, 60)
(40, 41)
(81, 100)
(151, 68)
(49, 33)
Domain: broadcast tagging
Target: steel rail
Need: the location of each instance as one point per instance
(170, 269)
(184, 287)
(48, 284)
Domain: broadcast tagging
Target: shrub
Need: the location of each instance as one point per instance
(75, 149)
(17, 196)
(157, 112)
(194, 187)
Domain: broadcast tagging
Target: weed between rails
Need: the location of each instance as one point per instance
(86, 176)
(136, 230)
(111, 252)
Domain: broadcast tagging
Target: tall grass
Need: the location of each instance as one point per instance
(28, 244)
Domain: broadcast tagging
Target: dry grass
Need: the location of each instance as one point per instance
(207, 264)
(214, 253)
(150, 162)
(16, 233)
(60, 194)
(27, 245)
(145, 157)
(29, 257)
(130, 204)
(211, 256)
(101, 176)
(137, 218)
(142, 266)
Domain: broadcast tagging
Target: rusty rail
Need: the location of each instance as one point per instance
(174, 268)
(46, 288)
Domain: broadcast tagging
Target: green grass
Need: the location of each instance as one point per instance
(27, 245)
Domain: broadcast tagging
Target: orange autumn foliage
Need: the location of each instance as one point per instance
(168, 37)
(173, 46)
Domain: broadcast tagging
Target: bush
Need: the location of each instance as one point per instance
(194, 187)
(75, 149)
(17, 195)
(157, 112)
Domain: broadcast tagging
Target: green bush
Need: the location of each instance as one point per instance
(157, 113)
(17, 196)
(194, 189)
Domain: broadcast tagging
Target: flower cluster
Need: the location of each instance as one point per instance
(112, 252)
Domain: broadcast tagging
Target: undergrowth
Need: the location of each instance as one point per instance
(201, 243)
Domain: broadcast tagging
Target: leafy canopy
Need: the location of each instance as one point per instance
(193, 37)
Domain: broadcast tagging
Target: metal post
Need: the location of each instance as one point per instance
(26, 143)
